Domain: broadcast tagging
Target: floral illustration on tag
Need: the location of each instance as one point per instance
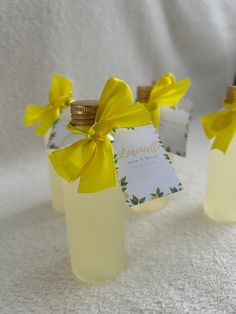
(53, 134)
(175, 189)
(157, 194)
(58, 132)
(134, 200)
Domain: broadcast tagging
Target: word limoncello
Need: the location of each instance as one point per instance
(220, 197)
(125, 153)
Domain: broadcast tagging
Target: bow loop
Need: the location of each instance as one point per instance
(165, 92)
(59, 97)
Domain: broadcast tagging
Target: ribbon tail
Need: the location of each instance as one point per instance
(70, 162)
(48, 119)
(33, 114)
(223, 138)
(101, 172)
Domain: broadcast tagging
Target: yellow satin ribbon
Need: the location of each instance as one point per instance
(165, 92)
(221, 126)
(92, 159)
(60, 95)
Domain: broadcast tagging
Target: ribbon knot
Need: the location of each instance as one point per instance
(165, 92)
(92, 135)
(59, 99)
(221, 126)
(92, 159)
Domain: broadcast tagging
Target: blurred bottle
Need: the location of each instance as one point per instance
(60, 96)
(55, 181)
(220, 198)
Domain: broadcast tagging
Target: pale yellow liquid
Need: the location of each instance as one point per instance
(95, 226)
(57, 198)
(55, 181)
(220, 199)
(151, 206)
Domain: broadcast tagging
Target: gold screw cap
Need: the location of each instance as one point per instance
(83, 112)
(143, 93)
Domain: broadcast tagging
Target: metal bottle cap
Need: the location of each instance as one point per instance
(83, 112)
(143, 93)
(231, 95)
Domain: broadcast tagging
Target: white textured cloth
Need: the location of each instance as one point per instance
(90, 40)
(178, 261)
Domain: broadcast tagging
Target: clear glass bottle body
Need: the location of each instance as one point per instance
(220, 198)
(55, 181)
(95, 226)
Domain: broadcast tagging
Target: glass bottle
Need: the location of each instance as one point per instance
(57, 198)
(55, 182)
(157, 204)
(220, 198)
(95, 221)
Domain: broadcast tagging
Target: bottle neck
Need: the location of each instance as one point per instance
(143, 93)
(83, 113)
(231, 95)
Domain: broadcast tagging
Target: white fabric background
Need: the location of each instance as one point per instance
(178, 261)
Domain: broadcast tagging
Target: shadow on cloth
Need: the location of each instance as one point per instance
(35, 214)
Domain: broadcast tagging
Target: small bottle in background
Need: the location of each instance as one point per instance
(57, 198)
(60, 97)
(220, 197)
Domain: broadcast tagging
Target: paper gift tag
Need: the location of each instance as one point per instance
(145, 170)
(174, 126)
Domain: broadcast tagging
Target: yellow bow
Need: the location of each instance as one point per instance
(221, 126)
(165, 92)
(60, 95)
(92, 158)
